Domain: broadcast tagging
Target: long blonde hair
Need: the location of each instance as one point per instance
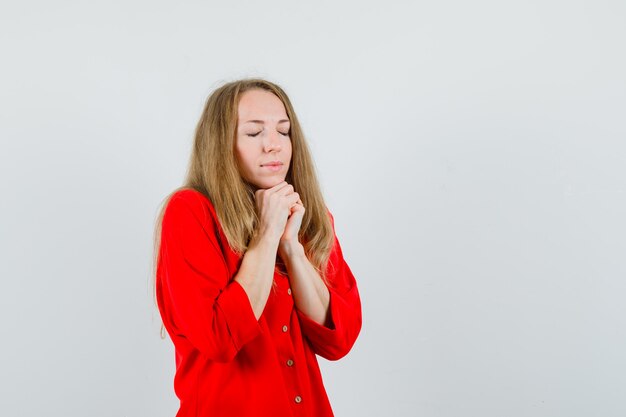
(213, 171)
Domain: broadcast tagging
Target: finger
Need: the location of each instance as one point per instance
(270, 190)
(258, 194)
(292, 199)
(278, 187)
(286, 190)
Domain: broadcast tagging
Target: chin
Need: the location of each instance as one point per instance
(268, 182)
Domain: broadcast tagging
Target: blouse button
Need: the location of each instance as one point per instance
(289, 362)
(284, 328)
(289, 291)
(298, 399)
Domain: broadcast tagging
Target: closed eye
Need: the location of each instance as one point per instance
(257, 133)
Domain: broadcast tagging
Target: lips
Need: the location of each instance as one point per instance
(272, 164)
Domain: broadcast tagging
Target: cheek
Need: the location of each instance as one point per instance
(243, 155)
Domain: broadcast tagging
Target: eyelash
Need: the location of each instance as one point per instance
(257, 133)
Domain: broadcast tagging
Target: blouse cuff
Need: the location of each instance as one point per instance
(318, 333)
(240, 319)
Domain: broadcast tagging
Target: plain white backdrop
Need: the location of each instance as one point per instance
(473, 155)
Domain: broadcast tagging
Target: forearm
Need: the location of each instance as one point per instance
(310, 293)
(256, 272)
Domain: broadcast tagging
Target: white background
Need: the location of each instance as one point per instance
(473, 154)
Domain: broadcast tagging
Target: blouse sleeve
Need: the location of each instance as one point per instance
(215, 316)
(336, 340)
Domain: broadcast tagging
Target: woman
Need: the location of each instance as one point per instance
(251, 282)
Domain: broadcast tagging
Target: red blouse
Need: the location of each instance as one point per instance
(228, 363)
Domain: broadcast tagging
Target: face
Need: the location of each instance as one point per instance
(263, 145)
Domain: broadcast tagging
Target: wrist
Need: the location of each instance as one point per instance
(290, 249)
(265, 241)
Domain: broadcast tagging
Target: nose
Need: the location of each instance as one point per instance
(272, 142)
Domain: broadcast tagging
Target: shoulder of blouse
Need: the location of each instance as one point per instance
(195, 200)
(191, 195)
(188, 202)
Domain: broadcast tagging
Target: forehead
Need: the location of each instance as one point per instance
(262, 106)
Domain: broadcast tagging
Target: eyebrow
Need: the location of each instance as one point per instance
(262, 122)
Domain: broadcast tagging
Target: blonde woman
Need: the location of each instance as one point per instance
(251, 282)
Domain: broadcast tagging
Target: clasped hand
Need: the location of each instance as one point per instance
(280, 211)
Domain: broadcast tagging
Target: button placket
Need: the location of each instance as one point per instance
(289, 370)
